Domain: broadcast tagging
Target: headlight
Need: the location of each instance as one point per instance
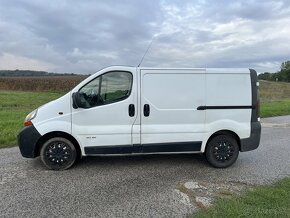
(29, 117)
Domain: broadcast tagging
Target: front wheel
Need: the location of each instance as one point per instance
(58, 153)
(222, 151)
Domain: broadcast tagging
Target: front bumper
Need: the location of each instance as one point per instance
(27, 141)
(253, 141)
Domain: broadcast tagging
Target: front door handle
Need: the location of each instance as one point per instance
(131, 110)
(146, 110)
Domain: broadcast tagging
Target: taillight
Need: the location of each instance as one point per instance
(258, 108)
(255, 96)
(258, 101)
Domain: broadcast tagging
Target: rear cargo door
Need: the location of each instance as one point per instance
(170, 121)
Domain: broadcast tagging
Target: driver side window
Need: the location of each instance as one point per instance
(105, 89)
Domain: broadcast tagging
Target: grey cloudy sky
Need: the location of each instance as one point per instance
(84, 36)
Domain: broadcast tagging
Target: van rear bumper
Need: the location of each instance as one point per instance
(27, 141)
(253, 141)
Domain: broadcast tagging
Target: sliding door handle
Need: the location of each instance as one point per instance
(146, 110)
(131, 110)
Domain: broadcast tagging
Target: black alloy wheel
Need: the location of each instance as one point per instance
(58, 153)
(222, 151)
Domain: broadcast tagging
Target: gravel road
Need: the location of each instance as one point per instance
(137, 186)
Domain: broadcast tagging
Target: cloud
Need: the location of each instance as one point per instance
(84, 36)
(190, 36)
(11, 61)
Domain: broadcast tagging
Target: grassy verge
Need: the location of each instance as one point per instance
(14, 106)
(279, 108)
(275, 98)
(274, 91)
(265, 201)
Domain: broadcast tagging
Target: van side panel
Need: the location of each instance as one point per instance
(228, 102)
(173, 96)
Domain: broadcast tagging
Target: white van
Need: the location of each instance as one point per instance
(136, 110)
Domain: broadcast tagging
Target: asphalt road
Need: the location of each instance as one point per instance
(135, 186)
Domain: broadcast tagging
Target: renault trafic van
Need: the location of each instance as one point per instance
(136, 110)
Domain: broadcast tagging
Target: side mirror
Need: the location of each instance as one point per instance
(76, 100)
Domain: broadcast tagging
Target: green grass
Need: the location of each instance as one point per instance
(275, 98)
(266, 201)
(14, 106)
(278, 108)
(274, 91)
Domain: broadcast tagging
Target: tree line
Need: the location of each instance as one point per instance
(283, 75)
(23, 73)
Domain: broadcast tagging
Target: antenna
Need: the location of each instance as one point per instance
(146, 51)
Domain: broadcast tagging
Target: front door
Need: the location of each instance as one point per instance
(103, 124)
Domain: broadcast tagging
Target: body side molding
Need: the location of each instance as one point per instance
(145, 148)
(225, 107)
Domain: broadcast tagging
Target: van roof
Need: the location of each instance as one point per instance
(207, 70)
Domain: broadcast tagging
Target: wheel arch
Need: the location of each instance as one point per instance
(225, 132)
(53, 134)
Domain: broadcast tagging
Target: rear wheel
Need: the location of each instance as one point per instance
(222, 151)
(58, 153)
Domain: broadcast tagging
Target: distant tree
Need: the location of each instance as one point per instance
(265, 76)
(285, 71)
(282, 76)
(285, 65)
(16, 73)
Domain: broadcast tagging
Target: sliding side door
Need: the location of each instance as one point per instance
(170, 121)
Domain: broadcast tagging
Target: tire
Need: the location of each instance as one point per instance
(58, 153)
(222, 151)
